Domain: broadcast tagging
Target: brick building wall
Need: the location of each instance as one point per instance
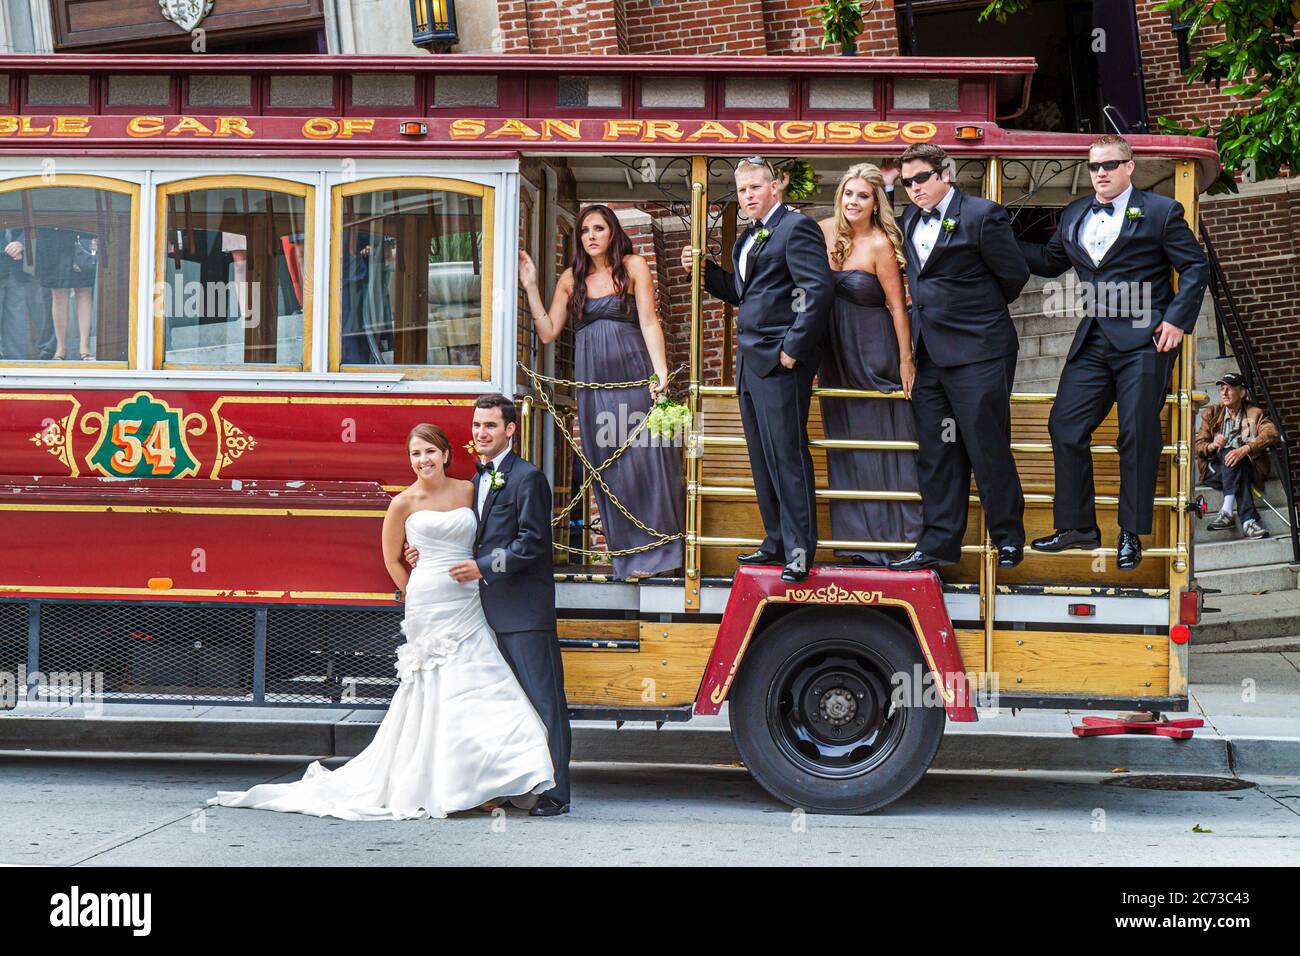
(1254, 232)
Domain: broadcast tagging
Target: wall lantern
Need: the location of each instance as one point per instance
(433, 24)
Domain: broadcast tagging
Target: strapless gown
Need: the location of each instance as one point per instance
(863, 353)
(459, 730)
(647, 478)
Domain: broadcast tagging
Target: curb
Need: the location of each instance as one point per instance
(964, 750)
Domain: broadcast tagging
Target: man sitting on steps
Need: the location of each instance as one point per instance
(1231, 446)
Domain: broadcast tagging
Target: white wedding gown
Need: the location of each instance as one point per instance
(459, 731)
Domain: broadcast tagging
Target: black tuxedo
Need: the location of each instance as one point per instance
(512, 549)
(1113, 358)
(965, 346)
(784, 304)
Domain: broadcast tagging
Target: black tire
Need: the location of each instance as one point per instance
(808, 719)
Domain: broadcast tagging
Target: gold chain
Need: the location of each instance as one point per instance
(593, 472)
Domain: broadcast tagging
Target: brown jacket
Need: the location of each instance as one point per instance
(1258, 433)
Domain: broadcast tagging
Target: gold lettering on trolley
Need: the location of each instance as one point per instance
(223, 127)
(56, 126)
(326, 127)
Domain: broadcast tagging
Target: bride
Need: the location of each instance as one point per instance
(459, 731)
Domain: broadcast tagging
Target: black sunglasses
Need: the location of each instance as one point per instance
(1109, 165)
(918, 178)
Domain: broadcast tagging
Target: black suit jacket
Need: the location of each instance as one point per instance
(1139, 259)
(512, 549)
(960, 296)
(771, 316)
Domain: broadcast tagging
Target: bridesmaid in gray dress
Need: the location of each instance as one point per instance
(870, 348)
(608, 296)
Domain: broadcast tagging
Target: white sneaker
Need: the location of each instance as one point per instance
(1253, 529)
(1223, 522)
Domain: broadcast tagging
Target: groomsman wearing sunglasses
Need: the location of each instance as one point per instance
(963, 268)
(1122, 243)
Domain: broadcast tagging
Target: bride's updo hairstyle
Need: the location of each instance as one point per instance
(434, 435)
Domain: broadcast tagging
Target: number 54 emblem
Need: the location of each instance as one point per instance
(143, 437)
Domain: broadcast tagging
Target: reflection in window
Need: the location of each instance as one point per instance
(411, 270)
(65, 274)
(233, 287)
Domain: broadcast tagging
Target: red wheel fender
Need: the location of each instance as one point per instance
(917, 593)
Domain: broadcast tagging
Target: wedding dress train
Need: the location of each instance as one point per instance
(459, 730)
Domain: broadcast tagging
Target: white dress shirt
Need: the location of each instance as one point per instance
(1099, 229)
(753, 238)
(926, 234)
(485, 481)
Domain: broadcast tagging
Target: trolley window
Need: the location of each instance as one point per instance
(234, 274)
(412, 277)
(67, 267)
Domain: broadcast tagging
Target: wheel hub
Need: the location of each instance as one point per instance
(838, 706)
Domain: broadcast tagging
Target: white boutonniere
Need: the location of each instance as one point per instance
(762, 234)
(949, 224)
(1134, 213)
(498, 480)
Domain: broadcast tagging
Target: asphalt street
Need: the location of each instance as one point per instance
(96, 811)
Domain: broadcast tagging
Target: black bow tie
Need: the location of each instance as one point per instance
(1103, 206)
(932, 214)
(480, 467)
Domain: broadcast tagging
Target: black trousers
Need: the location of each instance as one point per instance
(1098, 377)
(535, 658)
(1236, 480)
(774, 413)
(963, 424)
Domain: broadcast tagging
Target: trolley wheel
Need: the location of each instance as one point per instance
(812, 715)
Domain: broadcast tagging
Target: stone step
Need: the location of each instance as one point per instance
(1272, 491)
(1036, 384)
(1057, 344)
(1041, 368)
(1242, 553)
(1038, 323)
(1254, 580)
(1209, 371)
(1274, 524)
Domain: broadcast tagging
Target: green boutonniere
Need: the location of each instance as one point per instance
(498, 480)
(1134, 213)
(949, 224)
(762, 234)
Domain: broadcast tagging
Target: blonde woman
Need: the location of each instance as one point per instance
(870, 347)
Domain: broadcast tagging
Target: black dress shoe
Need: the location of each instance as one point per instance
(760, 557)
(918, 561)
(1129, 554)
(1009, 555)
(548, 807)
(1067, 538)
(793, 573)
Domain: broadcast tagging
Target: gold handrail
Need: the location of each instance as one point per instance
(863, 444)
(1025, 398)
(837, 544)
(844, 494)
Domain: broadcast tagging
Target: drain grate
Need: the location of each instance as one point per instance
(1179, 781)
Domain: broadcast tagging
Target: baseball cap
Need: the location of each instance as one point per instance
(1232, 378)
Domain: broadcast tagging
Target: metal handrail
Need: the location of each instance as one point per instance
(1226, 314)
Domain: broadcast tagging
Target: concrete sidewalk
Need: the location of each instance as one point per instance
(1250, 702)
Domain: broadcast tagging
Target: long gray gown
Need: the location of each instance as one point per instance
(863, 353)
(647, 477)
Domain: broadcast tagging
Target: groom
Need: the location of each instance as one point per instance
(781, 281)
(513, 565)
